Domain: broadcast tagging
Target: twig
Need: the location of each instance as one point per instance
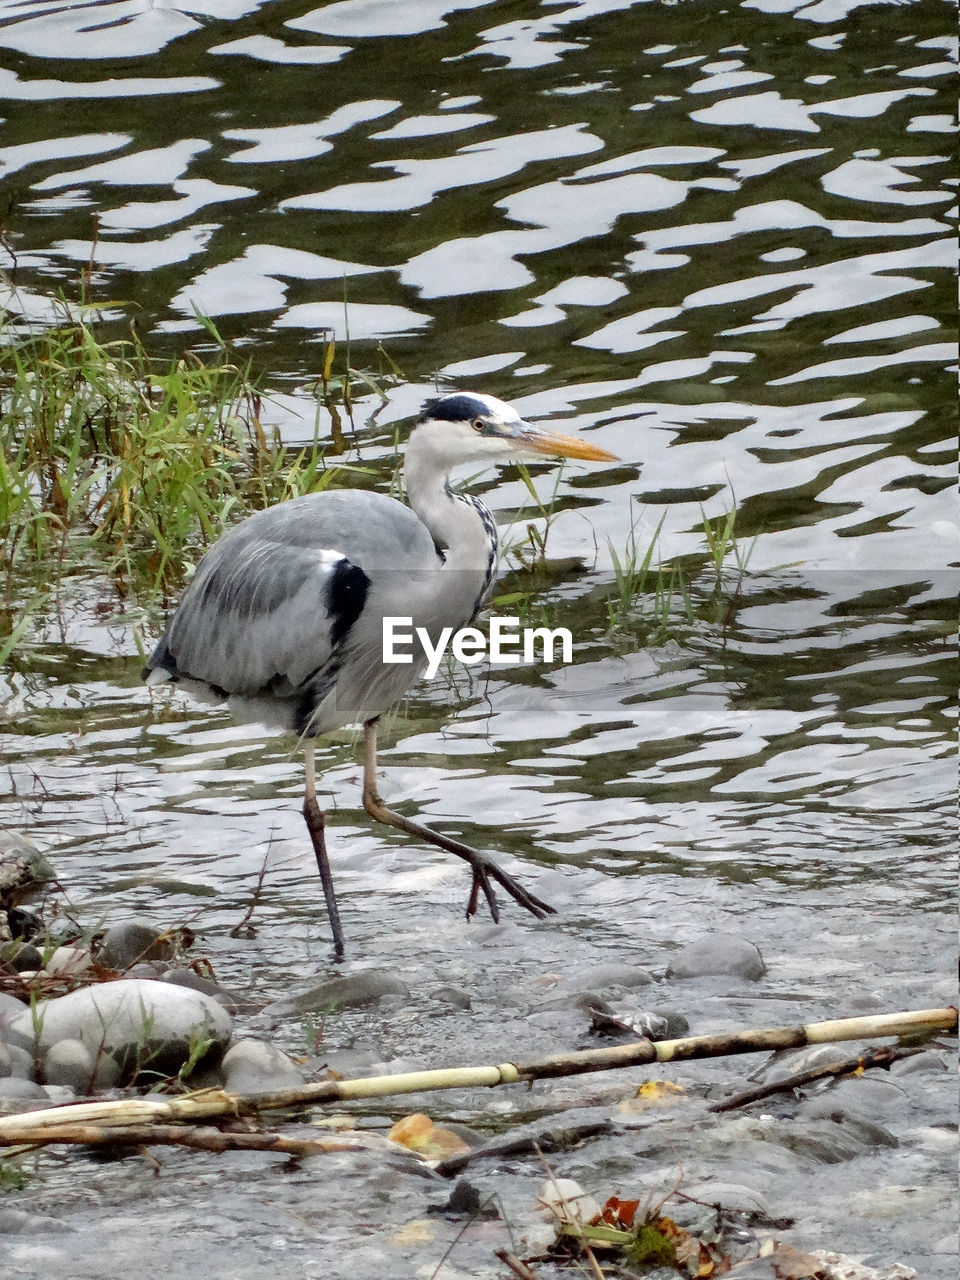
(551, 1140)
(239, 927)
(519, 1268)
(881, 1057)
(201, 1137)
(217, 1102)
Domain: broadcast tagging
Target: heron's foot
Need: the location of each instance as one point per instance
(484, 869)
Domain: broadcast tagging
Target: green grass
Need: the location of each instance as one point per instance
(115, 462)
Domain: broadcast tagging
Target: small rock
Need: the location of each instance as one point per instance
(143, 1024)
(69, 960)
(566, 1201)
(602, 977)
(24, 924)
(22, 868)
(251, 1066)
(23, 958)
(70, 1063)
(10, 1006)
(125, 944)
(930, 1061)
(59, 1094)
(15, 1087)
(733, 1197)
(451, 995)
(718, 953)
(5, 1069)
(232, 1002)
(675, 1025)
(340, 993)
(20, 1061)
(837, 1266)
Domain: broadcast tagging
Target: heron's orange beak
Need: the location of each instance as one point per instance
(558, 446)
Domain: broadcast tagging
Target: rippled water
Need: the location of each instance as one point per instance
(717, 238)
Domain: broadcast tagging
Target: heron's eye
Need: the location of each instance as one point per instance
(477, 424)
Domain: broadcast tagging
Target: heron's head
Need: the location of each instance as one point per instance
(467, 426)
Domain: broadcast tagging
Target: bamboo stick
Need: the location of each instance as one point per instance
(217, 1102)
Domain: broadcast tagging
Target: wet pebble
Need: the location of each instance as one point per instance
(252, 1066)
(455, 996)
(25, 959)
(70, 1063)
(131, 942)
(15, 1088)
(866, 1097)
(718, 954)
(348, 992)
(137, 1021)
(608, 977)
(231, 1001)
(930, 1062)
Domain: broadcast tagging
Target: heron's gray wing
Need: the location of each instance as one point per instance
(275, 597)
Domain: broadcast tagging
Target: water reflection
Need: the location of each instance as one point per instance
(721, 246)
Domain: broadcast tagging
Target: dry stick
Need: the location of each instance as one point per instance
(202, 1137)
(516, 1265)
(882, 1057)
(217, 1102)
(551, 1140)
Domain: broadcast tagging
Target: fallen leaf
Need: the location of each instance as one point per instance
(417, 1232)
(652, 1093)
(419, 1133)
(619, 1213)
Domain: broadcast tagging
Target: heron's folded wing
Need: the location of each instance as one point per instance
(262, 617)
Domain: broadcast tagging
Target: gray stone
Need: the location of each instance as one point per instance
(59, 1094)
(22, 867)
(23, 957)
(143, 1024)
(5, 1067)
(10, 1006)
(928, 1062)
(718, 953)
(252, 1066)
(451, 995)
(603, 977)
(14, 1087)
(70, 1063)
(231, 1001)
(131, 942)
(21, 1062)
(731, 1196)
(340, 993)
(790, 1062)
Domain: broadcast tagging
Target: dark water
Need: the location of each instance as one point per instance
(717, 238)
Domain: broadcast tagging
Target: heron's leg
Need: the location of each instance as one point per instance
(315, 822)
(484, 868)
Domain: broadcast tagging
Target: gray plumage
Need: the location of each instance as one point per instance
(284, 617)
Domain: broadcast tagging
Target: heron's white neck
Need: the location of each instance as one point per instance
(456, 526)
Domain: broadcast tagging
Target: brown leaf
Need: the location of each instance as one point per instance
(619, 1213)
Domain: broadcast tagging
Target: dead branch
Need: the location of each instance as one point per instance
(881, 1057)
(217, 1102)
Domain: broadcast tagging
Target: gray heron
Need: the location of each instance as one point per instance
(283, 619)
